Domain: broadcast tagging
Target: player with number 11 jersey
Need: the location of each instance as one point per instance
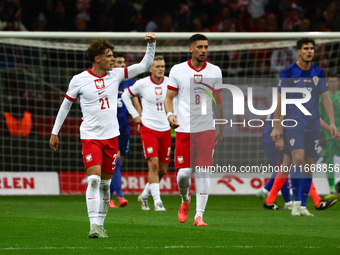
(155, 129)
(152, 99)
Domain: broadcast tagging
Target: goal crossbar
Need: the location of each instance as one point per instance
(164, 35)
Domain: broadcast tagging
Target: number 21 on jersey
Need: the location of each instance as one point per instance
(104, 103)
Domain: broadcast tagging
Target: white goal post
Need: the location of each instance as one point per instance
(168, 35)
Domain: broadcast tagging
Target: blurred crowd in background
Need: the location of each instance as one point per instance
(170, 15)
(34, 78)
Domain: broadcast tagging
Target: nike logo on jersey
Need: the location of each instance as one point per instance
(296, 81)
(90, 198)
(99, 93)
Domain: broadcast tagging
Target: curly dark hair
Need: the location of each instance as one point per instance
(98, 47)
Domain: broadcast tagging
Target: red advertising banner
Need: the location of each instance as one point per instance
(72, 183)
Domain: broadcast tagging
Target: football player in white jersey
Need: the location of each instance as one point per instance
(97, 90)
(195, 132)
(154, 128)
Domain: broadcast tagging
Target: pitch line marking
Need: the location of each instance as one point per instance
(165, 247)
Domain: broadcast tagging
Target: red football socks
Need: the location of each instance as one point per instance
(315, 196)
(279, 180)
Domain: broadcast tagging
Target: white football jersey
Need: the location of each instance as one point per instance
(152, 99)
(194, 90)
(98, 98)
(98, 102)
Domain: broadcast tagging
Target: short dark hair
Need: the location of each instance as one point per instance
(332, 75)
(304, 40)
(119, 55)
(98, 47)
(197, 37)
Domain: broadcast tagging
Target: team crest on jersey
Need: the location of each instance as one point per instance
(149, 149)
(315, 80)
(158, 91)
(180, 159)
(88, 157)
(99, 83)
(198, 78)
(292, 141)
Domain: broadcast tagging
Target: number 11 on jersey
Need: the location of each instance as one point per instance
(159, 107)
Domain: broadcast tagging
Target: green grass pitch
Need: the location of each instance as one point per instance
(236, 225)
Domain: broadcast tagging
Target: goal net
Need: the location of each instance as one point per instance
(35, 69)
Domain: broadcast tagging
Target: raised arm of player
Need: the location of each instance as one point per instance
(168, 105)
(147, 60)
(328, 106)
(61, 116)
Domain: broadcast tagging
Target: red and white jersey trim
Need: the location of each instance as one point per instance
(185, 80)
(152, 100)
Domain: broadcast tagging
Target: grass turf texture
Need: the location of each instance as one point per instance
(236, 225)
